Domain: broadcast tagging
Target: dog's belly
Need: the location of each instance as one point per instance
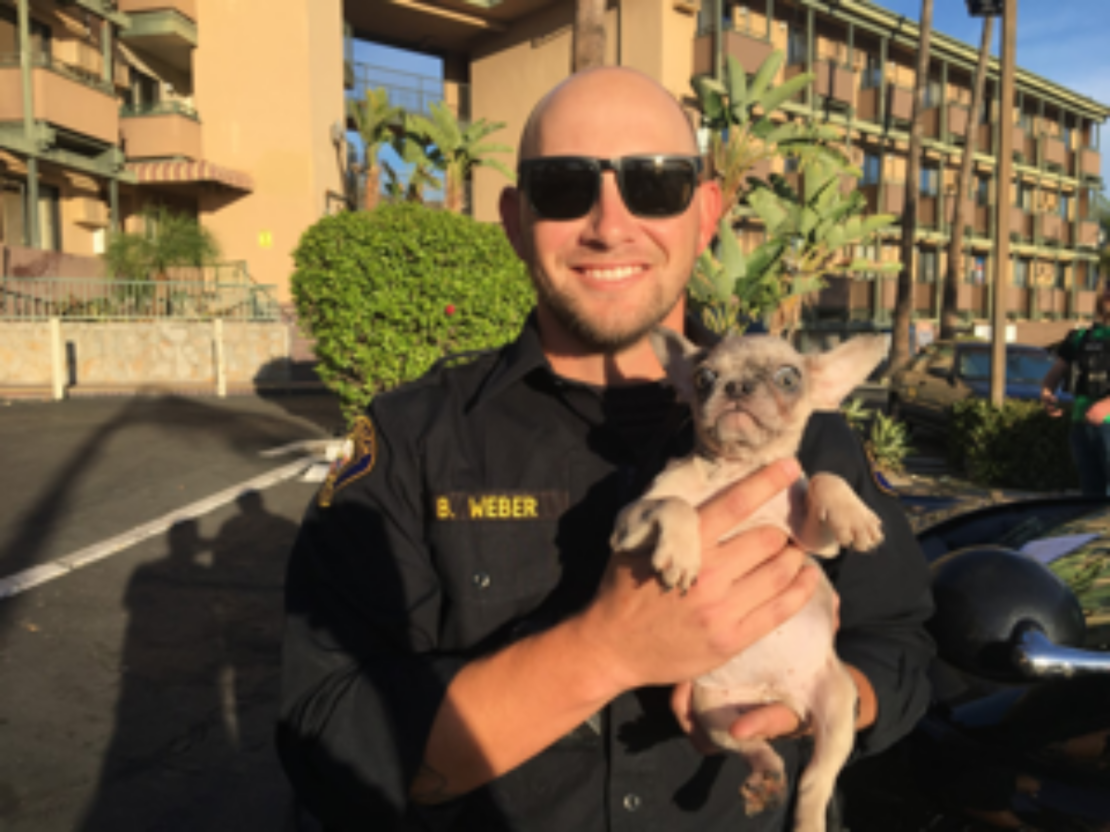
(784, 666)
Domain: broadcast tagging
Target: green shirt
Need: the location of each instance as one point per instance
(1069, 350)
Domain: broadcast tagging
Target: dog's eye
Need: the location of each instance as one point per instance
(788, 378)
(704, 378)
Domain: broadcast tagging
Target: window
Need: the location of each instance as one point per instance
(977, 270)
(1024, 196)
(12, 214)
(872, 167)
(50, 226)
(930, 181)
(1061, 275)
(872, 73)
(1065, 135)
(15, 225)
(796, 51)
(985, 112)
(933, 95)
(1021, 273)
(927, 266)
(146, 91)
(790, 164)
(9, 34)
(982, 190)
(1063, 205)
(1025, 121)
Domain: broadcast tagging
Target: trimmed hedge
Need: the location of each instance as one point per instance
(386, 293)
(1016, 446)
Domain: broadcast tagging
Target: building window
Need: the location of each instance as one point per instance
(13, 216)
(1061, 275)
(982, 190)
(146, 91)
(1065, 135)
(1025, 121)
(1021, 272)
(1090, 282)
(50, 225)
(872, 166)
(796, 51)
(872, 73)
(927, 266)
(9, 35)
(1064, 206)
(790, 164)
(1024, 196)
(933, 94)
(930, 181)
(977, 270)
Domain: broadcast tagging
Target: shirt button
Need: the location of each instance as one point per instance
(481, 580)
(632, 801)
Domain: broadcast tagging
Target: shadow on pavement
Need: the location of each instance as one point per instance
(192, 744)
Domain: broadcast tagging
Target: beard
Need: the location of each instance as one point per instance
(604, 333)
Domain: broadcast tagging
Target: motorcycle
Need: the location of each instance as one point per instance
(1018, 733)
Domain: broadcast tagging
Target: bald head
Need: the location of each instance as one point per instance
(607, 98)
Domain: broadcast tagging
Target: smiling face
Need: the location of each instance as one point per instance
(604, 279)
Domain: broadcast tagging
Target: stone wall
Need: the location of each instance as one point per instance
(147, 353)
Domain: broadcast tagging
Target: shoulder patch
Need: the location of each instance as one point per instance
(360, 452)
(881, 482)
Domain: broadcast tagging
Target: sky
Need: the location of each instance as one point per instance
(1064, 41)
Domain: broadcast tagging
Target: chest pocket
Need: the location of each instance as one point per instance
(497, 553)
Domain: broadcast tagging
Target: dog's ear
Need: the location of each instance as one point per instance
(678, 357)
(836, 373)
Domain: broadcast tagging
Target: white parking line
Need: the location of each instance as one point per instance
(36, 575)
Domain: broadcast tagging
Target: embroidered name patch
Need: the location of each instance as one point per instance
(881, 482)
(359, 454)
(501, 505)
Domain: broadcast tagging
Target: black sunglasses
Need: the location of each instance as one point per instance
(566, 187)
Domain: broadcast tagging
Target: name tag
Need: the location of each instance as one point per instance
(501, 505)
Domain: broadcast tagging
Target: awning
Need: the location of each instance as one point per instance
(149, 173)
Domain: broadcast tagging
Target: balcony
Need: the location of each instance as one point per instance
(893, 201)
(899, 103)
(1088, 234)
(927, 211)
(1017, 301)
(166, 28)
(845, 293)
(1052, 227)
(958, 116)
(1020, 223)
(65, 96)
(750, 51)
(1085, 302)
(1091, 161)
(976, 217)
(1055, 153)
(972, 298)
(833, 81)
(162, 131)
(924, 298)
(1024, 145)
(1051, 301)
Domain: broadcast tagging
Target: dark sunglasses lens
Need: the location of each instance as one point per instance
(658, 187)
(562, 189)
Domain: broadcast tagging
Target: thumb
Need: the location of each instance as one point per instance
(767, 722)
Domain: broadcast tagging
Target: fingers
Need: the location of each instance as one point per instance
(682, 705)
(768, 722)
(783, 594)
(735, 504)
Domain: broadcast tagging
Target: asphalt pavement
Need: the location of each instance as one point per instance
(138, 692)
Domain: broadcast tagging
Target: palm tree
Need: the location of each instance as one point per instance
(375, 120)
(589, 34)
(411, 145)
(903, 307)
(456, 150)
(948, 319)
(167, 239)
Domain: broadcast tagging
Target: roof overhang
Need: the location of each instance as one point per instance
(186, 172)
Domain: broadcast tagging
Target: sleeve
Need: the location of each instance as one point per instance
(1066, 350)
(885, 594)
(361, 678)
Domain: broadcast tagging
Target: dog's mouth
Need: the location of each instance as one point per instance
(739, 426)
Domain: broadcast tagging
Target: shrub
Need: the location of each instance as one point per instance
(386, 293)
(1016, 446)
(884, 437)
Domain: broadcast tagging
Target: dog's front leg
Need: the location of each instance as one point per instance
(669, 527)
(836, 510)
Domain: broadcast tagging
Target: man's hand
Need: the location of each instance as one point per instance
(748, 585)
(1050, 402)
(1096, 414)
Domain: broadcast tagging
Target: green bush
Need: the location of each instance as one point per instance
(1017, 446)
(386, 293)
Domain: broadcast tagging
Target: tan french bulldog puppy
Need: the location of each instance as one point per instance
(751, 397)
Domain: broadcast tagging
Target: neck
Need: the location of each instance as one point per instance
(572, 359)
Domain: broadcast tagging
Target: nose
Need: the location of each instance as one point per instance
(610, 221)
(739, 389)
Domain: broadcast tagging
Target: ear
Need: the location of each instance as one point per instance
(509, 205)
(709, 194)
(834, 374)
(678, 357)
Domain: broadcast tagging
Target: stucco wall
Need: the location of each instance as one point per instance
(132, 354)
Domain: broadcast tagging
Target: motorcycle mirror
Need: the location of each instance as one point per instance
(990, 601)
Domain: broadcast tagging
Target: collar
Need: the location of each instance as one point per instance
(525, 355)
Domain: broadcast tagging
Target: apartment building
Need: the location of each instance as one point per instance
(231, 112)
(864, 59)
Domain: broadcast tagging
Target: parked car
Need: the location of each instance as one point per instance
(922, 393)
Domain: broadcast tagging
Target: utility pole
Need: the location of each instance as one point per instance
(1003, 204)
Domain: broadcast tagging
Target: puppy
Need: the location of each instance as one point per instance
(751, 397)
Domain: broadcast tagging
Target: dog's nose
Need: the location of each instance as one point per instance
(739, 389)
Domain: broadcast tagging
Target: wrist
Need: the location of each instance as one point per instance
(605, 675)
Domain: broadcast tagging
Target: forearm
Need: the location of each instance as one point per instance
(502, 710)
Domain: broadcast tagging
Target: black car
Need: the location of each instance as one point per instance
(923, 392)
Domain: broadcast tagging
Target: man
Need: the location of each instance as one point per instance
(1083, 358)
(462, 651)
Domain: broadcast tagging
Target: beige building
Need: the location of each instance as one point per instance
(223, 109)
(864, 60)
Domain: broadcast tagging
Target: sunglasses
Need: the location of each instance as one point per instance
(566, 187)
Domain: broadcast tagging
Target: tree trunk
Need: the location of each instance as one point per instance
(373, 186)
(453, 190)
(589, 34)
(949, 322)
(903, 307)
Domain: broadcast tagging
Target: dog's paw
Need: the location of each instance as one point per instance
(855, 526)
(636, 527)
(676, 561)
(763, 790)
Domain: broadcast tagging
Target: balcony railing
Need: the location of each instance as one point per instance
(750, 50)
(45, 60)
(415, 93)
(1055, 153)
(161, 108)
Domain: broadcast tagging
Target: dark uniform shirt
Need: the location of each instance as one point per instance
(477, 510)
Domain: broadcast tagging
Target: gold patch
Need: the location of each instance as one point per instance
(877, 476)
(360, 454)
(500, 505)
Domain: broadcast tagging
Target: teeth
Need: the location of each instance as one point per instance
(613, 274)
